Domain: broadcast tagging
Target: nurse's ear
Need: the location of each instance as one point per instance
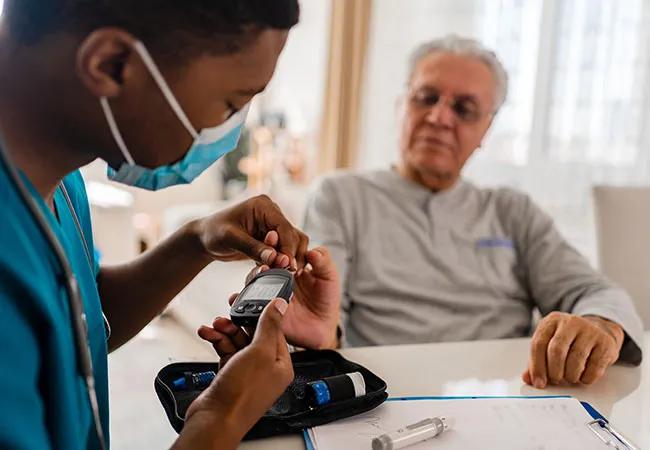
(104, 60)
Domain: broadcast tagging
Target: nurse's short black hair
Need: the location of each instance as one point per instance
(170, 26)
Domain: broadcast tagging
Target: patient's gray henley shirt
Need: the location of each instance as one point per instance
(462, 264)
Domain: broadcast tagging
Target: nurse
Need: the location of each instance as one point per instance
(159, 89)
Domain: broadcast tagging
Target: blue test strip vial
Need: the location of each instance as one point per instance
(194, 381)
(334, 389)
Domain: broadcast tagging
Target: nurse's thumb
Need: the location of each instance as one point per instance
(254, 249)
(269, 327)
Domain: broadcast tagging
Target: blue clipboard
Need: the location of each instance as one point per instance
(599, 426)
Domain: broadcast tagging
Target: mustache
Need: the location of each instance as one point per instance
(428, 138)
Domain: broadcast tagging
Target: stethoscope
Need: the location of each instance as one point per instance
(78, 315)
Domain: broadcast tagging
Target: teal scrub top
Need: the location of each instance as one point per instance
(43, 399)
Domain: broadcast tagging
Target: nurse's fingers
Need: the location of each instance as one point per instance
(272, 238)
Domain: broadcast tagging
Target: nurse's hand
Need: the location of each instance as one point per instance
(239, 232)
(243, 390)
(312, 317)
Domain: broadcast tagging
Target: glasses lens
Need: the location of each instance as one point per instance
(466, 111)
(425, 99)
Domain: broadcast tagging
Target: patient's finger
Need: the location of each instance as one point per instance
(539, 345)
(221, 343)
(239, 338)
(558, 349)
(576, 361)
(599, 360)
(320, 264)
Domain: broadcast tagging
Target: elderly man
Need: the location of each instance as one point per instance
(426, 256)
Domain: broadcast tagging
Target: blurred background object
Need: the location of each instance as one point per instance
(622, 224)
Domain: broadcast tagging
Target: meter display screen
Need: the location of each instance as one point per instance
(264, 289)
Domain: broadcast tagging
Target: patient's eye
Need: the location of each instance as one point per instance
(425, 98)
(466, 110)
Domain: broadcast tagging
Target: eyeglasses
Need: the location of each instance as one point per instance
(465, 108)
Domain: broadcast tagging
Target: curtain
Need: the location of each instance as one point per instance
(597, 103)
(350, 23)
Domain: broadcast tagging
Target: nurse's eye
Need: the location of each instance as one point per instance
(230, 111)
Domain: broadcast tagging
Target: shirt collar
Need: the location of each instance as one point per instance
(452, 196)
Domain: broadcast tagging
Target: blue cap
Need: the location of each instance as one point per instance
(321, 392)
(194, 380)
(180, 383)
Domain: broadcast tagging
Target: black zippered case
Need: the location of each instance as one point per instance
(290, 414)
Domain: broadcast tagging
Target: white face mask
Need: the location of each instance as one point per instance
(209, 144)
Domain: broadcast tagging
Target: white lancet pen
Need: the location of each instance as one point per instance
(412, 434)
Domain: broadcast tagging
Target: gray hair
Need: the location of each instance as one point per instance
(465, 47)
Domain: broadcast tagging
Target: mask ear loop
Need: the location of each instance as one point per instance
(110, 118)
(164, 87)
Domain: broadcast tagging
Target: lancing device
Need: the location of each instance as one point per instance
(334, 389)
(412, 434)
(193, 380)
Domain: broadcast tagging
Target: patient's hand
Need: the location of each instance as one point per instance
(310, 320)
(313, 313)
(572, 349)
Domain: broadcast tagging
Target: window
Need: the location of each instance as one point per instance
(599, 71)
(507, 26)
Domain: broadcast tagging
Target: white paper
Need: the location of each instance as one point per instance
(504, 424)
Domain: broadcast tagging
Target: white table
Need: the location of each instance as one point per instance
(494, 368)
